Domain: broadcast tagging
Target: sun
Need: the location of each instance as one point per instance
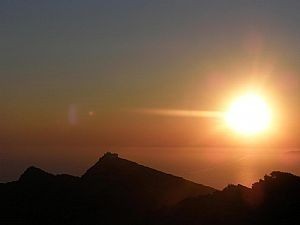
(248, 115)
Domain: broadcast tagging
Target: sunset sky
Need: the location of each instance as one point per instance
(74, 74)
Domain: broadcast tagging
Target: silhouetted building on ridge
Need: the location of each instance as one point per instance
(111, 155)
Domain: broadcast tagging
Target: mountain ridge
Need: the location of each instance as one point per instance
(117, 191)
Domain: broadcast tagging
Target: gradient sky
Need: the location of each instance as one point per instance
(72, 71)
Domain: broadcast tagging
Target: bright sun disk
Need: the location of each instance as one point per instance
(248, 114)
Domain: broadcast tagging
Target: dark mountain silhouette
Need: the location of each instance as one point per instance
(151, 186)
(117, 191)
(274, 200)
(113, 191)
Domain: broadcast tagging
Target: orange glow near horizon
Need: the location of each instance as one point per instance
(249, 115)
